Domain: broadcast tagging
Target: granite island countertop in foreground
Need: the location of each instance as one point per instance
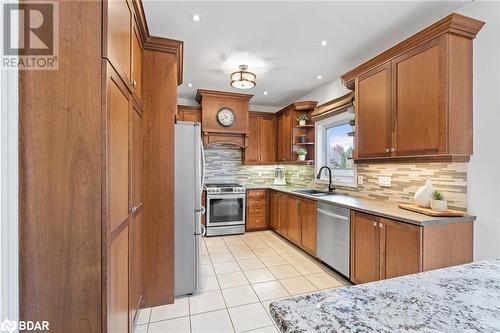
(463, 298)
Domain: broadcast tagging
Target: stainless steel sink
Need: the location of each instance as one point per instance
(312, 192)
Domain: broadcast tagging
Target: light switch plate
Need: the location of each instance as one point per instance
(384, 181)
(360, 180)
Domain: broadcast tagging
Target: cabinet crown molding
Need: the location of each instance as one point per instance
(299, 106)
(454, 23)
(222, 94)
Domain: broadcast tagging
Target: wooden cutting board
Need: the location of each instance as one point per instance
(431, 212)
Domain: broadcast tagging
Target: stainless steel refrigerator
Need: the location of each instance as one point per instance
(188, 230)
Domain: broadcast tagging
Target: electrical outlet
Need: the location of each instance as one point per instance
(384, 181)
(360, 180)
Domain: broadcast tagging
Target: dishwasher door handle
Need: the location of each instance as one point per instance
(340, 217)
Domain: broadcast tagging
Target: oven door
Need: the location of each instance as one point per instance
(225, 209)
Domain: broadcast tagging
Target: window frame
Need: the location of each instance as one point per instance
(320, 129)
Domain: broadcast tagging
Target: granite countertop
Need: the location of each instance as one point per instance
(371, 206)
(463, 298)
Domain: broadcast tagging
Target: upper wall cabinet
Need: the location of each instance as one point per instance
(261, 147)
(414, 101)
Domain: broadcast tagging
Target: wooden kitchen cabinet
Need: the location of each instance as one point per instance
(382, 248)
(136, 156)
(274, 210)
(401, 248)
(278, 212)
(118, 36)
(308, 225)
(261, 147)
(373, 113)
(136, 61)
(118, 312)
(293, 220)
(135, 264)
(257, 210)
(414, 100)
(365, 248)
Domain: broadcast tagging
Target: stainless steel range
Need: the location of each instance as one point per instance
(225, 209)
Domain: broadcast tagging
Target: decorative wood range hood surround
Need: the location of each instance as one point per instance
(214, 132)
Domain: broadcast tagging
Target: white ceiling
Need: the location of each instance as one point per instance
(280, 41)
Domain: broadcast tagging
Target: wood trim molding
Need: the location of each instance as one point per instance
(166, 45)
(298, 106)
(221, 94)
(454, 23)
(141, 19)
(329, 108)
(260, 113)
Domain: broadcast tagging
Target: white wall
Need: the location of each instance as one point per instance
(484, 167)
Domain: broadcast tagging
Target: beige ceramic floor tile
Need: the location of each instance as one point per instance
(230, 280)
(212, 322)
(298, 285)
(323, 280)
(284, 271)
(221, 257)
(269, 290)
(239, 296)
(178, 325)
(208, 301)
(207, 270)
(209, 283)
(140, 329)
(226, 267)
(265, 252)
(273, 261)
(242, 255)
(267, 329)
(248, 317)
(248, 264)
(143, 316)
(259, 275)
(180, 308)
(218, 249)
(306, 268)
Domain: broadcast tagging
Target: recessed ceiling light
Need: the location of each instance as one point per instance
(196, 17)
(319, 77)
(324, 43)
(190, 84)
(265, 92)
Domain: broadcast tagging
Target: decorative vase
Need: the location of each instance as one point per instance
(302, 157)
(423, 195)
(302, 123)
(439, 205)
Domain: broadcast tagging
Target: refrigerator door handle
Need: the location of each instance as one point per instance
(202, 165)
(203, 230)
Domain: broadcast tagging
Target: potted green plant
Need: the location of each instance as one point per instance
(302, 118)
(302, 152)
(438, 201)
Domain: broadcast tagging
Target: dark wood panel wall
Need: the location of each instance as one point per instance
(60, 179)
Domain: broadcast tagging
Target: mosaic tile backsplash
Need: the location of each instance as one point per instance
(224, 164)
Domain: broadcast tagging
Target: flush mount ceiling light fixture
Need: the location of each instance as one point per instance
(242, 79)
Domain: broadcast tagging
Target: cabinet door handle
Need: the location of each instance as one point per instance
(133, 209)
(374, 223)
(393, 150)
(380, 225)
(134, 83)
(387, 150)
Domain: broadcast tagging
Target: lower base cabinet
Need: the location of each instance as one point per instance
(383, 248)
(118, 312)
(257, 210)
(294, 218)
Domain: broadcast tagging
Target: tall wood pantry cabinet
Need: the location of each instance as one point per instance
(96, 184)
(261, 148)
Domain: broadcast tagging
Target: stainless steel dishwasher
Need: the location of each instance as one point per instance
(333, 236)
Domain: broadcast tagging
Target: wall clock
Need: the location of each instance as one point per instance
(225, 117)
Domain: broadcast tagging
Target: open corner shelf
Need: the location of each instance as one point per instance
(303, 143)
(305, 126)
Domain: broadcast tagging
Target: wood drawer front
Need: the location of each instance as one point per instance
(256, 203)
(256, 194)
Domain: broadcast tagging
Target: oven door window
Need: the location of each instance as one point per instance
(226, 210)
